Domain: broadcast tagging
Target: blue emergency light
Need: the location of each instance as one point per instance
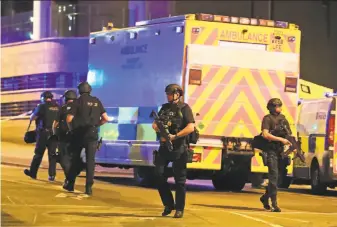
(330, 94)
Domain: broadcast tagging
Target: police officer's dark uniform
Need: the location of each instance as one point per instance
(274, 149)
(87, 114)
(62, 129)
(45, 114)
(178, 156)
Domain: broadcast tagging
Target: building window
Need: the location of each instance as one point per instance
(38, 81)
(17, 108)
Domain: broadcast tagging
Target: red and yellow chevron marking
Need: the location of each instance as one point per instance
(232, 101)
(211, 158)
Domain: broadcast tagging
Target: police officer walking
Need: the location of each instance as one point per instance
(60, 128)
(275, 147)
(83, 121)
(180, 128)
(44, 115)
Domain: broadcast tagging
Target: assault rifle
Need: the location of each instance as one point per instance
(163, 130)
(295, 145)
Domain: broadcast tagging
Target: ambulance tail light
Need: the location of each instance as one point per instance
(196, 157)
(331, 131)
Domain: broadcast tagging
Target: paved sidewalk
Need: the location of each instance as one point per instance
(21, 155)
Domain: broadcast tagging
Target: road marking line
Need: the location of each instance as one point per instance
(11, 200)
(292, 212)
(44, 185)
(291, 219)
(34, 220)
(48, 205)
(256, 219)
(308, 212)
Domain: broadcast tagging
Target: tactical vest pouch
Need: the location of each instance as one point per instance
(30, 136)
(194, 136)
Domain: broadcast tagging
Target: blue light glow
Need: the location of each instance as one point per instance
(330, 94)
(95, 77)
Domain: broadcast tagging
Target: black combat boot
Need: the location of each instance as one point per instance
(28, 173)
(88, 190)
(274, 207)
(265, 202)
(167, 211)
(68, 185)
(178, 214)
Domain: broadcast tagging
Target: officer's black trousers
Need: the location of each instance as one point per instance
(273, 173)
(65, 157)
(77, 165)
(43, 142)
(179, 173)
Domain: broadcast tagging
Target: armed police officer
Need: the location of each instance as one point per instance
(274, 149)
(60, 128)
(83, 121)
(180, 127)
(44, 115)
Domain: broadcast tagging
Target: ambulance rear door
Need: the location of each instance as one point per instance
(314, 123)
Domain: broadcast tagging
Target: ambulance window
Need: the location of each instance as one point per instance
(195, 76)
(305, 89)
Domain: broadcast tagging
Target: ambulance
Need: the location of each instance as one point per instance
(229, 67)
(318, 136)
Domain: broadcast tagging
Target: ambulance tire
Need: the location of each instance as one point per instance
(317, 187)
(144, 176)
(238, 182)
(233, 181)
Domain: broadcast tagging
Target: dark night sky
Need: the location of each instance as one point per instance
(319, 38)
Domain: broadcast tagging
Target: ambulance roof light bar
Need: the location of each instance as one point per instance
(243, 20)
(330, 94)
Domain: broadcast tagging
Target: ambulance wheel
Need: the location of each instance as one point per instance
(238, 180)
(317, 187)
(144, 176)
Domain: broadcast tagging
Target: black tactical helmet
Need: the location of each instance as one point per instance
(70, 95)
(272, 103)
(84, 87)
(47, 95)
(174, 88)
